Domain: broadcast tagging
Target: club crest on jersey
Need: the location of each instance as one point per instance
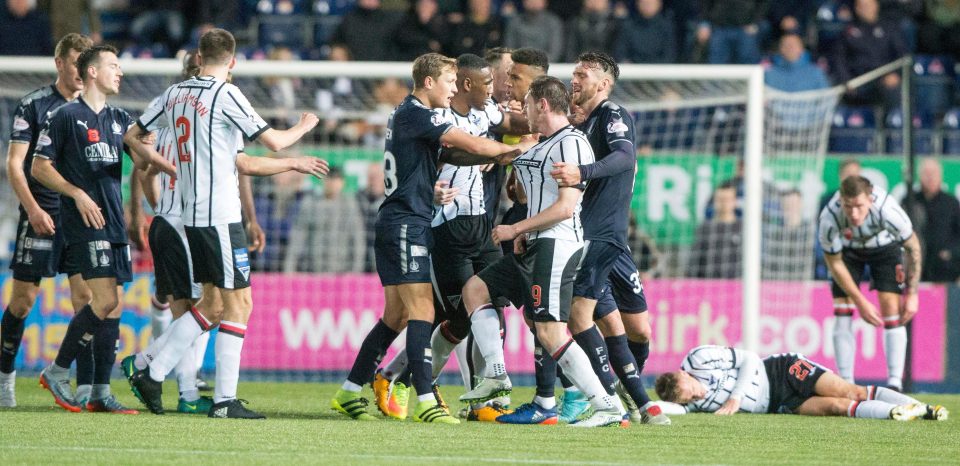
(19, 124)
(617, 126)
(436, 119)
(117, 129)
(93, 135)
(848, 234)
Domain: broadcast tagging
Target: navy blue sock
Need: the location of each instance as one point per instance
(626, 368)
(80, 333)
(404, 376)
(546, 369)
(85, 363)
(105, 350)
(564, 381)
(11, 332)
(591, 341)
(371, 353)
(418, 355)
(641, 351)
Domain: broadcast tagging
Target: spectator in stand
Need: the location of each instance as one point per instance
(68, 16)
(792, 70)
(716, 250)
(594, 29)
(277, 200)
(24, 30)
(938, 223)
(537, 28)
(940, 32)
(159, 21)
(421, 30)
(480, 29)
(649, 37)
(366, 31)
(369, 200)
(283, 90)
(643, 249)
(866, 44)
(789, 17)
(329, 234)
(904, 14)
(731, 27)
(786, 239)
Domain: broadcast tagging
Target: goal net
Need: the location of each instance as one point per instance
(725, 204)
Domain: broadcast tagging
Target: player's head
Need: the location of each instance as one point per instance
(594, 75)
(500, 61)
(99, 66)
(547, 97)
(849, 167)
(528, 64)
(191, 65)
(217, 48)
(679, 387)
(474, 82)
(855, 199)
(435, 77)
(65, 56)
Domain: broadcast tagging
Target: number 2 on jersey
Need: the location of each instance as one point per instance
(389, 173)
(182, 126)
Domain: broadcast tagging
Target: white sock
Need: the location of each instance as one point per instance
(396, 366)
(227, 348)
(844, 346)
(479, 364)
(441, 347)
(895, 348)
(576, 366)
(461, 352)
(349, 386)
(200, 349)
(83, 392)
(870, 409)
(546, 402)
(485, 324)
(160, 317)
(186, 371)
(8, 378)
(99, 391)
(182, 333)
(890, 396)
(145, 357)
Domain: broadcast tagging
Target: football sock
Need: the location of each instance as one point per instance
(546, 402)
(11, 332)
(442, 344)
(83, 393)
(545, 368)
(351, 387)
(564, 380)
(105, 352)
(100, 391)
(463, 354)
(591, 341)
(83, 326)
(577, 367)
(371, 352)
(186, 372)
(145, 357)
(844, 346)
(396, 366)
(200, 349)
(641, 351)
(486, 331)
(889, 396)
(228, 346)
(621, 358)
(420, 356)
(160, 317)
(870, 409)
(183, 332)
(895, 349)
(86, 366)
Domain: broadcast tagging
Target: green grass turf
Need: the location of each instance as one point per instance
(302, 429)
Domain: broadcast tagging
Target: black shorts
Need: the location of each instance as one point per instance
(462, 249)
(219, 255)
(541, 278)
(173, 269)
(38, 256)
(886, 268)
(609, 275)
(792, 380)
(403, 253)
(100, 259)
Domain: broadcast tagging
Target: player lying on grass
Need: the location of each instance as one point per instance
(723, 380)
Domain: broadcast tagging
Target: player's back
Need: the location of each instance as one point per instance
(886, 224)
(606, 201)
(28, 119)
(716, 368)
(410, 163)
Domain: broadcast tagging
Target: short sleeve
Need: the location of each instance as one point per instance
(48, 142)
(618, 125)
(423, 123)
(152, 118)
(24, 123)
(573, 150)
(494, 114)
(237, 109)
(895, 219)
(829, 232)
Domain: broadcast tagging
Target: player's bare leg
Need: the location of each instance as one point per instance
(894, 338)
(844, 343)
(831, 385)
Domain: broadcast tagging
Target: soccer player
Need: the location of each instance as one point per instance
(862, 226)
(725, 381)
(209, 117)
(40, 244)
(404, 238)
(542, 275)
(608, 287)
(85, 138)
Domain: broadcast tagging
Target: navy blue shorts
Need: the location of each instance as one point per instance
(609, 275)
(100, 259)
(403, 253)
(38, 256)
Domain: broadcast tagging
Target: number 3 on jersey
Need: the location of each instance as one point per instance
(183, 136)
(389, 173)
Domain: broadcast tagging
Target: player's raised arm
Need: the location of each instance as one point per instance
(267, 166)
(464, 149)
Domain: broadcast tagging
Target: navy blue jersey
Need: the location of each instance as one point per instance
(410, 163)
(28, 120)
(606, 202)
(85, 147)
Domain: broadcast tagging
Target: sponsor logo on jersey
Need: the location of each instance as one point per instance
(535, 163)
(102, 152)
(19, 124)
(84, 124)
(617, 126)
(43, 140)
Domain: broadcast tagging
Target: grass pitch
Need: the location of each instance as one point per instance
(301, 429)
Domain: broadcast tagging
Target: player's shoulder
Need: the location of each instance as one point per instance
(832, 206)
(67, 110)
(37, 95)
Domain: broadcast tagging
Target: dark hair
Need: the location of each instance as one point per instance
(729, 184)
(553, 91)
(532, 57)
(191, 66)
(217, 46)
(495, 55)
(605, 62)
(91, 57)
(666, 386)
(854, 186)
(469, 61)
(72, 41)
(848, 162)
(335, 172)
(430, 65)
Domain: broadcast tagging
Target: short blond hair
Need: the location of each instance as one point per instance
(430, 65)
(72, 41)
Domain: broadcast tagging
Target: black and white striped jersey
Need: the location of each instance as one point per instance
(887, 223)
(209, 119)
(719, 368)
(533, 167)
